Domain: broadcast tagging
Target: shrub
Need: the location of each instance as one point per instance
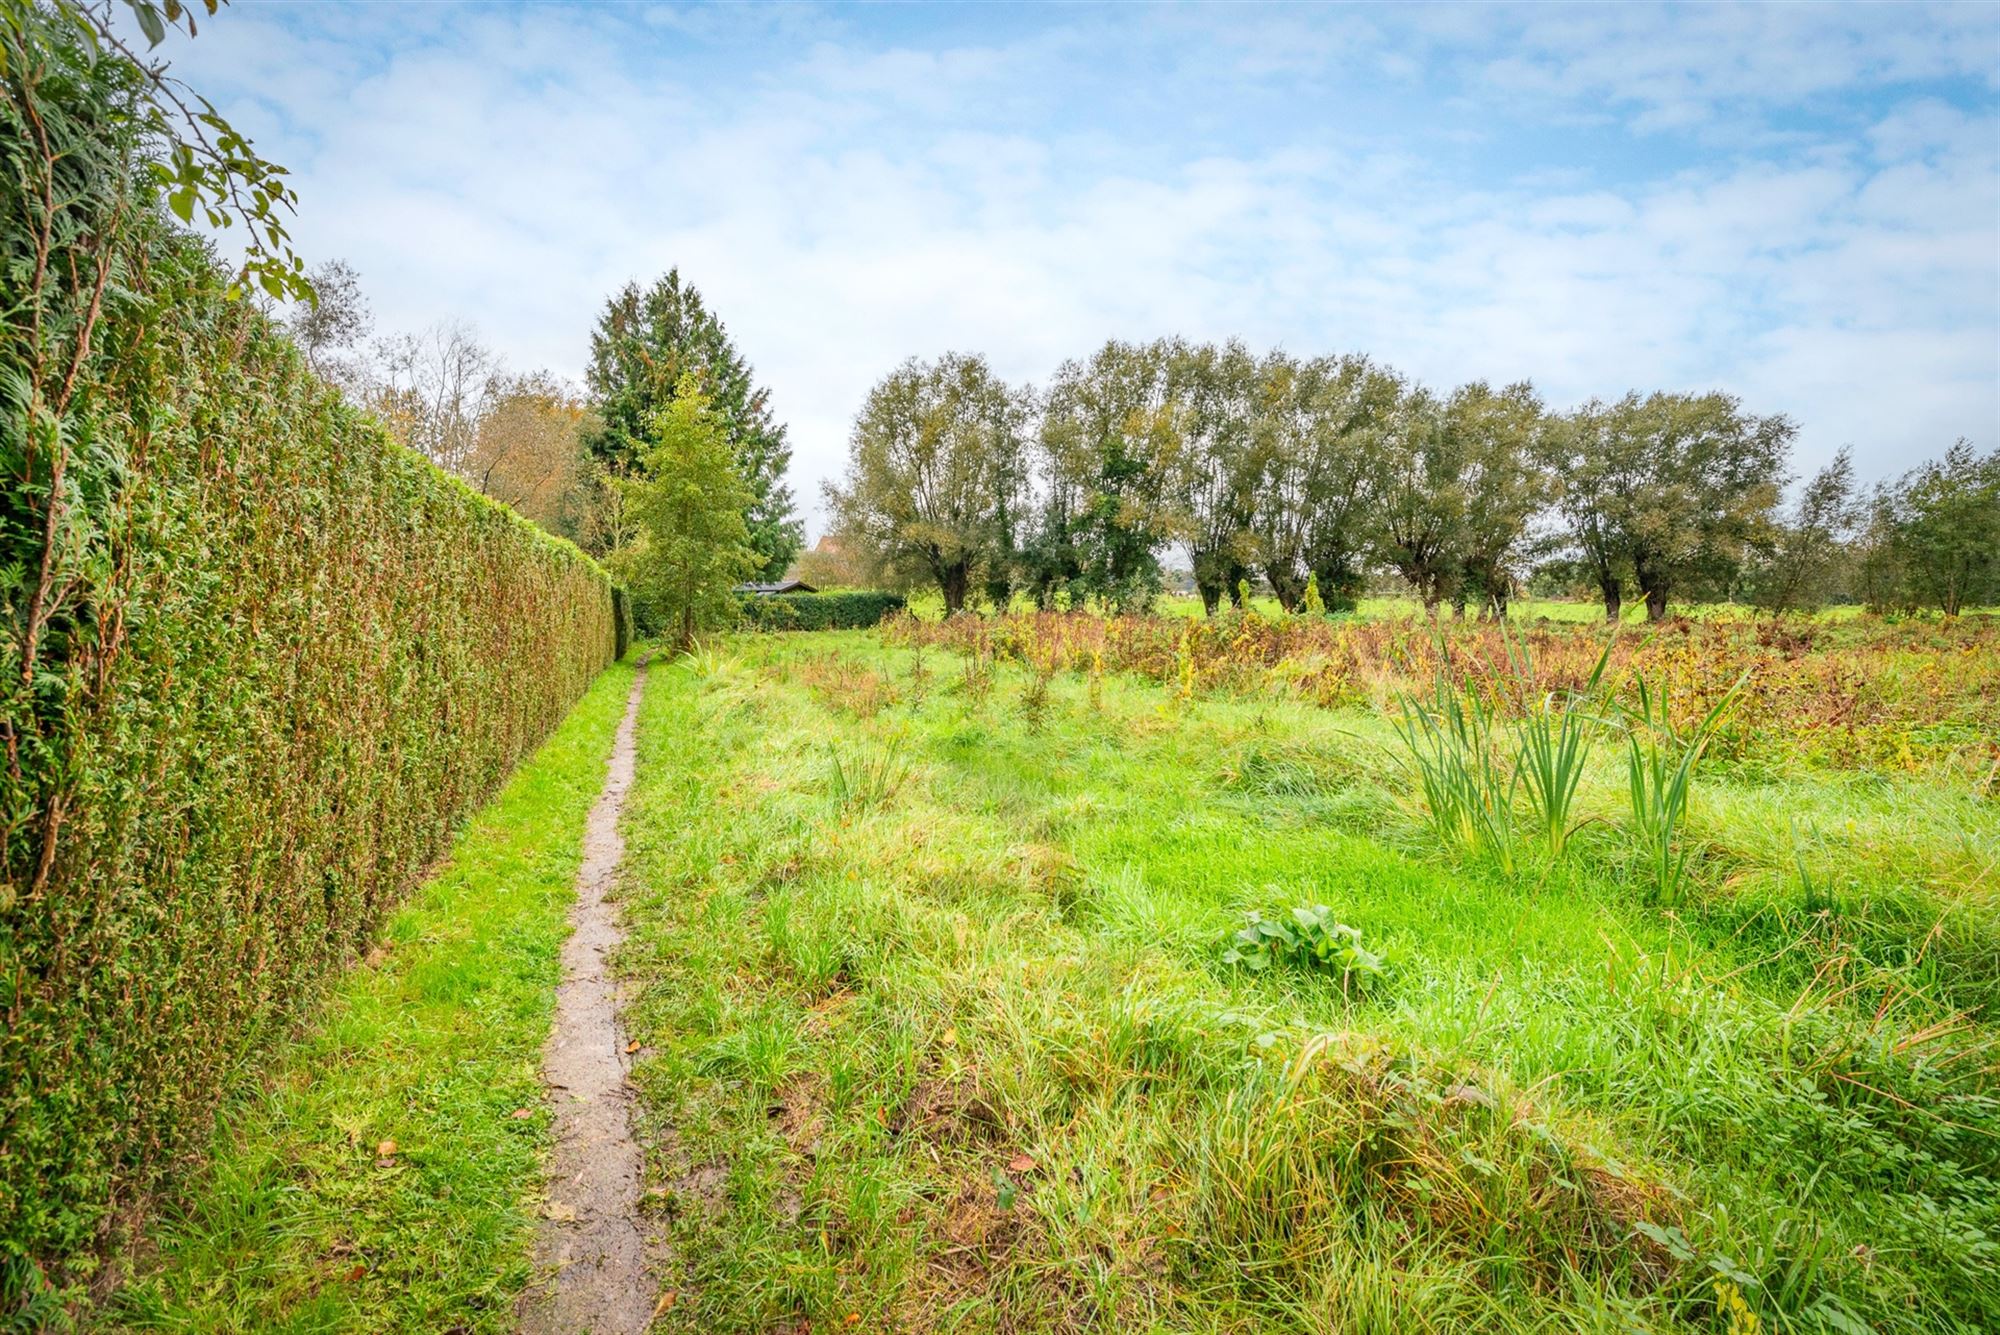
(1313, 939)
(258, 662)
(852, 610)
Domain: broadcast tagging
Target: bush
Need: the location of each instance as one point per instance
(855, 610)
(258, 664)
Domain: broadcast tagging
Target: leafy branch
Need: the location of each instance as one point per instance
(209, 167)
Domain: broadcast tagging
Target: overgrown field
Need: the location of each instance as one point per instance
(950, 1021)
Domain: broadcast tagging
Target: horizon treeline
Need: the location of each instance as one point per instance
(1323, 473)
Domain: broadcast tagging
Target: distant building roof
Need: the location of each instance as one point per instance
(780, 586)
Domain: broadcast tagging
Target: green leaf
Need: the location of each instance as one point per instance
(149, 21)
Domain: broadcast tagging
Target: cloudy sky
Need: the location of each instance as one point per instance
(1798, 205)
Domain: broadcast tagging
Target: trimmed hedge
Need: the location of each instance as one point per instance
(819, 611)
(280, 660)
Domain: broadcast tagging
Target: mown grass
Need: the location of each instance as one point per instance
(383, 1176)
(951, 1046)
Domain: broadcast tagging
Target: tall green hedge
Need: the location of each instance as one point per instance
(258, 662)
(853, 610)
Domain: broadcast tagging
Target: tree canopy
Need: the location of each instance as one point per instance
(932, 480)
(646, 341)
(686, 502)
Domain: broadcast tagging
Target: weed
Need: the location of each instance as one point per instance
(1313, 939)
(869, 780)
(1450, 741)
(1660, 777)
(1552, 739)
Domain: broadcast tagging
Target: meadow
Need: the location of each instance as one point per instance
(1044, 973)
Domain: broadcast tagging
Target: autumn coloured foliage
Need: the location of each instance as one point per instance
(1907, 695)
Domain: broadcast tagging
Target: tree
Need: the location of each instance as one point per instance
(1495, 437)
(528, 451)
(1945, 530)
(1668, 492)
(686, 503)
(935, 451)
(432, 389)
(1419, 515)
(1110, 437)
(645, 342)
(330, 328)
(1320, 453)
(1796, 567)
(1215, 394)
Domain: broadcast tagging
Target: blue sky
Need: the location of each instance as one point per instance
(1799, 205)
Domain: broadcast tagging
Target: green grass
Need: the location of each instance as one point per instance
(951, 1046)
(301, 1223)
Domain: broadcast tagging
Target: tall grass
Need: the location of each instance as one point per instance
(1552, 741)
(1451, 739)
(1660, 765)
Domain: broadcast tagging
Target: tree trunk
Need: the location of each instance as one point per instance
(1614, 600)
(1656, 604)
(952, 583)
(1211, 596)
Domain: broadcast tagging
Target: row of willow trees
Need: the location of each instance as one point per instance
(1324, 471)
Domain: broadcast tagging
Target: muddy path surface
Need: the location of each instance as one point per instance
(593, 1253)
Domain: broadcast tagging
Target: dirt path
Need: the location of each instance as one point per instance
(593, 1240)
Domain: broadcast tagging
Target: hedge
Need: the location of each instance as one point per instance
(259, 663)
(818, 611)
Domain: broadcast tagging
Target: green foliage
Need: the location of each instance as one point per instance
(843, 610)
(1110, 434)
(1668, 492)
(1799, 565)
(646, 343)
(1660, 765)
(935, 479)
(199, 162)
(434, 1044)
(1933, 538)
(1312, 939)
(256, 664)
(1552, 741)
(1452, 740)
(1312, 604)
(687, 504)
(867, 780)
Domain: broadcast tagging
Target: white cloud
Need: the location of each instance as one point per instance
(846, 200)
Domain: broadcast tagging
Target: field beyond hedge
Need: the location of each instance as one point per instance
(929, 941)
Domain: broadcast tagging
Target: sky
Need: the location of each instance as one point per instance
(1797, 205)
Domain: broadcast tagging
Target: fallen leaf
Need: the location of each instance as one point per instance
(522, 1114)
(853, 1318)
(667, 1299)
(1020, 1163)
(950, 1038)
(386, 1150)
(358, 1272)
(633, 1046)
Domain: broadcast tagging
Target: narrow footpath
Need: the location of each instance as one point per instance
(593, 1247)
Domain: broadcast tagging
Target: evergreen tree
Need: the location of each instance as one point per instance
(687, 503)
(646, 341)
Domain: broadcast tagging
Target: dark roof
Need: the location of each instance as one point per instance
(782, 586)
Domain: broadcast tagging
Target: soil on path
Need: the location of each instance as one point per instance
(593, 1246)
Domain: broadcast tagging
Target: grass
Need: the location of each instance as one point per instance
(960, 1051)
(383, 1175)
